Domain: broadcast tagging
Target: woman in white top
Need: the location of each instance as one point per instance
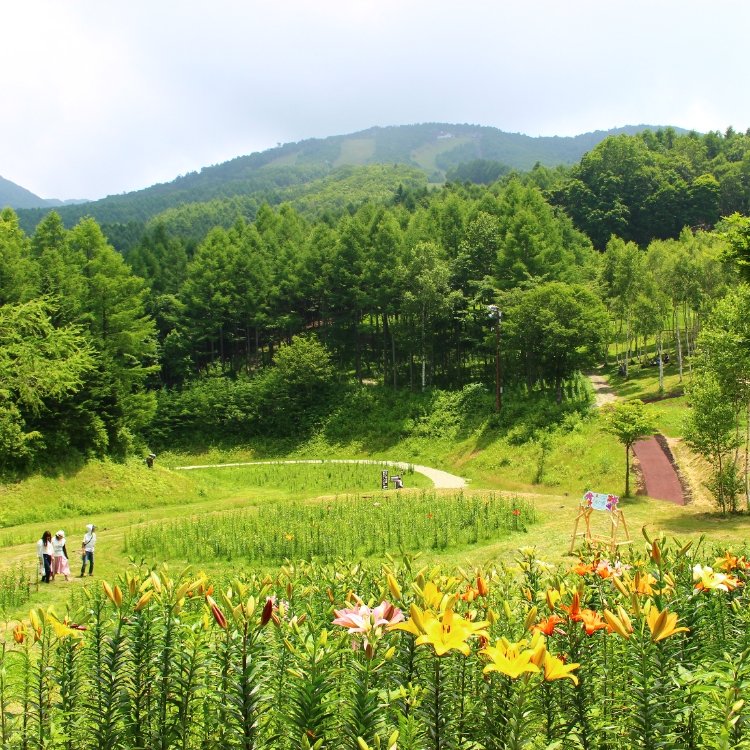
(60, 557)
(45, 551)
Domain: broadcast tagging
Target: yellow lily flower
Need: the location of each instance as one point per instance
(556, 669)
(435, 599)
(707, 579)
(61, 629)
(510, 659)
(662, 624)
(449, 632)
(416, 622)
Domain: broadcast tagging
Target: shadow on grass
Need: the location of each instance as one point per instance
(643, 382)
(709, 523)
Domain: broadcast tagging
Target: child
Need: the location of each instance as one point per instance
(87, 549)
(60, 556)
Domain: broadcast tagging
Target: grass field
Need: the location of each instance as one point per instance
(263, 605)
(550, 471)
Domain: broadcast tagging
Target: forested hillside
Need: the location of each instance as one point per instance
(434, 149)
(231, 321)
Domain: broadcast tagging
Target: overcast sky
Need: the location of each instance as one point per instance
(102, 97)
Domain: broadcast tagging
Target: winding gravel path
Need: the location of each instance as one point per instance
(603, 392)
(441, 479)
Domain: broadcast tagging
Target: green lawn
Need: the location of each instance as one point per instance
(551, 468)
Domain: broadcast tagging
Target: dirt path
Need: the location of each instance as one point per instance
(659, 474)
(602, 390)
(441, 479)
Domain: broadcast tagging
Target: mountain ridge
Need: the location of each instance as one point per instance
(434, 148)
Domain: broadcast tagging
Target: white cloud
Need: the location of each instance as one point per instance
(106, 97)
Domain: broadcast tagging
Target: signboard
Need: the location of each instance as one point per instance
(593, 501)
(600, 501)
(384, 479)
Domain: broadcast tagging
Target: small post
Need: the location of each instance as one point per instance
(384, 479)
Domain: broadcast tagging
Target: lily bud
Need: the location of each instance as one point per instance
(530, 619)
(393, 587)
(221, 621)
(620, 586)
(636, 604)
(250, 606)
(416, 615)
(156, 581)
(144, 600)
(656, 552)
(108, 591)
(132, 584)
(267, 612)
(624, 618)
(482, 586)
(182, 590)
(616, 624)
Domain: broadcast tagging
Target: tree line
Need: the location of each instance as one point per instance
(400, 290)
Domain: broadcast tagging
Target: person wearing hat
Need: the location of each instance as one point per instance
(87, 549)
(60, 564)
(150, 460)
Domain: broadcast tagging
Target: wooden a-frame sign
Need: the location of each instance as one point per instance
(597, 501)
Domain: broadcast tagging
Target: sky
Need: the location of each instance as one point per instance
(102, 97)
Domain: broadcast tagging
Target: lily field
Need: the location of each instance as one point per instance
(303, 606)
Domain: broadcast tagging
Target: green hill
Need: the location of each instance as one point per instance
(433, 148)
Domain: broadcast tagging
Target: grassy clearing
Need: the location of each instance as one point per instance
(550, 461)
(356, 151)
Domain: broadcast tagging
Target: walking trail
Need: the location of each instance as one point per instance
(441, 479)
(602, 390)
(659, 475)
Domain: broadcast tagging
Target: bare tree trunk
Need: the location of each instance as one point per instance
(627, 346)
(688, 328)
(660, 356)
(679, 343)
(424, 357)
(627, 471)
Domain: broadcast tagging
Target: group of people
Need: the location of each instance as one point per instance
(53, 554)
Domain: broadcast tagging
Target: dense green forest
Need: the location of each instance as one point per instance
(231, 319)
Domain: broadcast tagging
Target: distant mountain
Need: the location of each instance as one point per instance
(433, 148)
(17, 197)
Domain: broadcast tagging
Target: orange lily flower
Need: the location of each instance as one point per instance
(574, 608)
(583, 568)
(591, 621)
(548, 626)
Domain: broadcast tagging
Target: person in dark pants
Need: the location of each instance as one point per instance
(87, 549)
(45, 551)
